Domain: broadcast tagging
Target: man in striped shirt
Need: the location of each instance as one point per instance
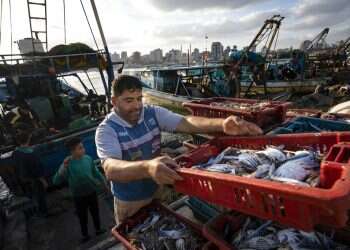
(128, 143)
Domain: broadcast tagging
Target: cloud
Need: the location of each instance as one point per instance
(226, 27)
(317, 7)
(172, 5)
(310, 14)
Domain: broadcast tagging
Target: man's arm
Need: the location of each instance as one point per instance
(159, 169)
(194, 124)
(232, 126)
(108, 149)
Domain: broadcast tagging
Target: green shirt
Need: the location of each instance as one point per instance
(83, 176)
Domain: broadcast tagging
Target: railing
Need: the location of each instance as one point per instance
(22, 64)
(22, 58)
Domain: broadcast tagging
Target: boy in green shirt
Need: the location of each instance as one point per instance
(84, 180)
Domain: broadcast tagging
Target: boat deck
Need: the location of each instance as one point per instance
(61, 230)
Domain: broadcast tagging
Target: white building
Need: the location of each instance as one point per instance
(156, 56)
(115, 57)
(174, 56)
(217, 51)
(146, 59)
(196, 56)
(124, 56)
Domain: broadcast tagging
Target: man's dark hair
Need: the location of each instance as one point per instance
(23, 137)
(125, 82)
(72, 143)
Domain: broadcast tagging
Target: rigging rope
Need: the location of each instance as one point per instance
(11, 26)
(1, 20)
(64, 21)
(267, 41)
(92, 85)
(87, 19)
(274, 48)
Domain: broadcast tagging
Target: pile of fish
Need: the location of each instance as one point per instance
(241, 106)
(273, 163)
(264, 235)
(164, 232)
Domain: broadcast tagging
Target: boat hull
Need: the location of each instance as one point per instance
(166, 100)
(283, 86)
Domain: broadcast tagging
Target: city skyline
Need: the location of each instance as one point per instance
(216, 51)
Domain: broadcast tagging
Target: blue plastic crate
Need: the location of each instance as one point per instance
(309, 125)
(202, 210)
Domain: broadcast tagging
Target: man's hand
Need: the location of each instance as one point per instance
(160, 169)
(234, 125)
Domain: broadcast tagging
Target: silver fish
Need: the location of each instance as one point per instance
(249, 161)
(180, 244)
(297, 168)
(241, 233)
(289, 236)
(289, 181)
(274, 154)
(260, 231)
(148, 223)
(264, 170)
(267, 242)
(175, 234)
(221, 168)
(221, 156)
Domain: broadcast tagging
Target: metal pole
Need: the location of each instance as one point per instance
(110, 71)
(64, 21)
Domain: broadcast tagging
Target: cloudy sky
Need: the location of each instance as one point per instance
(147, 24)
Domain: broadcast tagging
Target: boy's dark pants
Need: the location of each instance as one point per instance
(82, 205)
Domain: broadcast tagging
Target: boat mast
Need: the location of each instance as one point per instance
(110, 71)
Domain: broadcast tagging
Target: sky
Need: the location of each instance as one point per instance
(144, 25)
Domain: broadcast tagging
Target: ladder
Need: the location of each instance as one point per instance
(38, 22)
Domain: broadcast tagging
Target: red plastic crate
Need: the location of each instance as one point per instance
(119, 232)
(273, 113)
(214, 230)
(295, 206)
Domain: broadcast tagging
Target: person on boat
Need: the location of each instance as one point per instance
(97, 103)
(20, 117)
(84, 180)
(128, 143)
(30, 172)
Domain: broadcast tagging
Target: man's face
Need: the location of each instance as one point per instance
(129, 105)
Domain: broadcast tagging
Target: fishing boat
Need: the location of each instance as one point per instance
(40, 81)
(244, 73)
(171, 86)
